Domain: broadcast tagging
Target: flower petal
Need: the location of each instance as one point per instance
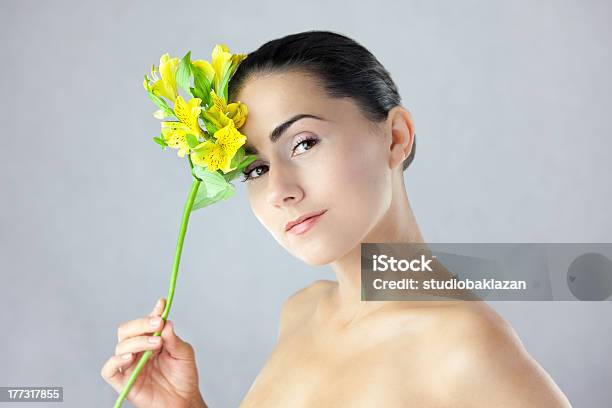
(221, 62)
(188, 113)
(206, 68)
(167, 71)
(208, 154)
(238, 112)
(176, 139)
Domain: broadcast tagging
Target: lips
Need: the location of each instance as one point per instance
(304, 217)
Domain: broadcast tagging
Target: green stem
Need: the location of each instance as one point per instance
(177, 258)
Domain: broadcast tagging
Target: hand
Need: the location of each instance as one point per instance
(170, 376)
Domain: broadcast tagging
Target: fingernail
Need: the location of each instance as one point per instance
(126, 356)
(154, 339)
(154, 321)
(159, 302)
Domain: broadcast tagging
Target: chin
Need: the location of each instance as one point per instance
(321, 252)
(325, 243)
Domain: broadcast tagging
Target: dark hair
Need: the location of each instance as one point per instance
(344, 68)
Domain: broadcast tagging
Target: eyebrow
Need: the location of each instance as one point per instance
(280, 129)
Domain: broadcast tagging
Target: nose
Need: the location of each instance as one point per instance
(283, 188)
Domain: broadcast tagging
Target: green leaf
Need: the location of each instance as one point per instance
(247, 160)
(214, 188)
(202, 86)
(224, 84)
(237, 159)
(196, 93)
(236, 172)
(210, 128)
(192, 141)
(161, 104)
(214, 181)
(160, 142)
(201, 198)
(231, 175)
(183, 73)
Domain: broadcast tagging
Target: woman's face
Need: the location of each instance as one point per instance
(338, 164)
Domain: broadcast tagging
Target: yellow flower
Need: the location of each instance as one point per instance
(206, 69)
(166, 85)
(238, 112)
(216, 114)
(218, 102)
(219, 154)
(217, 118)
(188, 113)
(174, 134)
(220, 113)
(237, 59)
(222, 63)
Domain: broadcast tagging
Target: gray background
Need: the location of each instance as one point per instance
(509, 101)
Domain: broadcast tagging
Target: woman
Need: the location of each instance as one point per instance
(332, 142)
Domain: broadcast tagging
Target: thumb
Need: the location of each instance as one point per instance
(174, 345)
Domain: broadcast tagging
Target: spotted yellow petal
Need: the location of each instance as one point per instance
(218, 102)
(209, 154)
(219, 154)
(230, 139)
(188, 113)
(175, 137)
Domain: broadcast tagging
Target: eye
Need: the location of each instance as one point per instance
(247, 174)
(306, 142)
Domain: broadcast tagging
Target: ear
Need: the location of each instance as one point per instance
(402, 135)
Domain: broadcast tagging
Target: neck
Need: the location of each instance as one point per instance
(397, 225)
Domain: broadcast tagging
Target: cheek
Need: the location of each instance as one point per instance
(352, 181)
(258, 207)
(355, 184)
(269, 217)
(360, 173)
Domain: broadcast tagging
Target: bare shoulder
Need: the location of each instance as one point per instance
(302, 303)
(484, 363)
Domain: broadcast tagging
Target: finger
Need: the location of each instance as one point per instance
(138, 344)
(159, 307)
(110, 371)
(138, 327)
(174, 345)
